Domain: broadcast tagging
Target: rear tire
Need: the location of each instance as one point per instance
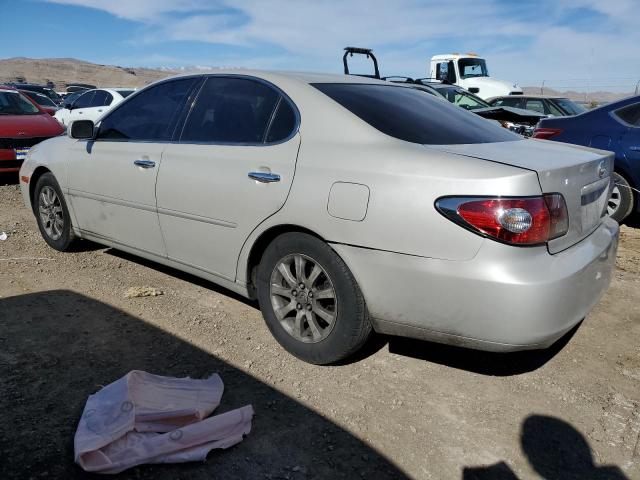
(310, 300)
(622, 199)
(52, 214)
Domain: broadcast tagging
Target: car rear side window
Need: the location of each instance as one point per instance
(630, 114)
(85, 100)
(231, 110)
(283, 124)
(415, 116)
(101, 98)
(151, 115)
(514, 102)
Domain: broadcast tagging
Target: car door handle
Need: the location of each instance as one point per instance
(264, 177)
(144, 163)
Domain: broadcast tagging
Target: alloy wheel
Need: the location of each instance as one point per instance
(50, 211)
(614, 200)
(303, 298)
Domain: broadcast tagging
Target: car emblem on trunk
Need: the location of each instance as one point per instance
(602, 171)
(22, 133)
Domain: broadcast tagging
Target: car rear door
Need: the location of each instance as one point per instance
(82, 103)
(98, 105)
(231, 169)
(112, 179)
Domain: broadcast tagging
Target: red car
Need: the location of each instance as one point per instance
(44, 102)
(22, 124)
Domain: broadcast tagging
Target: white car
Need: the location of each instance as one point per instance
(92, 104)
(344, 205)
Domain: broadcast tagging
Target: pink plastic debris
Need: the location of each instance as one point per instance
(145, 418)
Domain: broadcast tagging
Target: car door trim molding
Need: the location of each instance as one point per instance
(113, 200)
(197, 218)
(150, 208)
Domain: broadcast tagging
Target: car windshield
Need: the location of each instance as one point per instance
(472, 67)
(413, 115)
(462, 98)
(569, 106)
(40, 99)
(14, 103)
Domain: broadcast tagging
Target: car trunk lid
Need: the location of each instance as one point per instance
(582, 175)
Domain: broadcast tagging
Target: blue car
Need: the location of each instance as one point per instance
(614, 127)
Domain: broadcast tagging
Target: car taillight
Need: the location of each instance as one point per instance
(545, 133)
(517, 221)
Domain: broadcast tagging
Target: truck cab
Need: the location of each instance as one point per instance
(470, 71)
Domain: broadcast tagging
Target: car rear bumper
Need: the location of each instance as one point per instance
(505, 299)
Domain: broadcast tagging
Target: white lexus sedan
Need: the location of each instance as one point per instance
(344, 205)
(92, 104)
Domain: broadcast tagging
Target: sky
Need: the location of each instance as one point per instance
(565, 43)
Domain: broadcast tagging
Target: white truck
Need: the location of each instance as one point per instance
(469, 71)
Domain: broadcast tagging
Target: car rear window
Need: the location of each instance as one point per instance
(414, 116)
(630, 114)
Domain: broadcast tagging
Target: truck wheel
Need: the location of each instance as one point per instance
(621, 200)
(52, 214)
(310, 301)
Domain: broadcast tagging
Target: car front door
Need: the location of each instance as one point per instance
(112, 178)
(231, 169)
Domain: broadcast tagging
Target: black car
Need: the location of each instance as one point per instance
(57, 99)
(550, 106)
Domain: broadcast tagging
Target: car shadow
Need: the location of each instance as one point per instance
(58, 347)
(373, 345)
(477, 361)
(555, 450)
(8, 179)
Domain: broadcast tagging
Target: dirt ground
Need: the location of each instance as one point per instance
(404, 409)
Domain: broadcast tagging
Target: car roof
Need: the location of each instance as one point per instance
(304, 77)
(551, 97)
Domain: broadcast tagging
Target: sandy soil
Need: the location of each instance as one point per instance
(404, 409)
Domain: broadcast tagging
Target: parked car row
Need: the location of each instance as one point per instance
(91, 104)
(614, 127)
(23, 123)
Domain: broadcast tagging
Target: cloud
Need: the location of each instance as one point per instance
(527, 41)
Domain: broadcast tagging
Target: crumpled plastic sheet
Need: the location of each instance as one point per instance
(145, 418)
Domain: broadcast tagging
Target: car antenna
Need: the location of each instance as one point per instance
(349, 51)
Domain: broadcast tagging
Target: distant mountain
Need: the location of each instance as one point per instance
(582, 97)
(62, 71)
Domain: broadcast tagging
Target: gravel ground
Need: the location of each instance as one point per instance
(404, 409)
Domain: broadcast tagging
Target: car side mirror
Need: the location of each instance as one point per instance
(68, 106)
(475, 90)
(81, 129)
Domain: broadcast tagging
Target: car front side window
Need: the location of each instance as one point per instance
(149, 116)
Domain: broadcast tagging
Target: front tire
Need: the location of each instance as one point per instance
(621, 201)
(310, 300)
(52, 214)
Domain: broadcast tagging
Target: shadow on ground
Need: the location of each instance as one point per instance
(555, 450)
(58, 347)
(8, 179)
(485, 363)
